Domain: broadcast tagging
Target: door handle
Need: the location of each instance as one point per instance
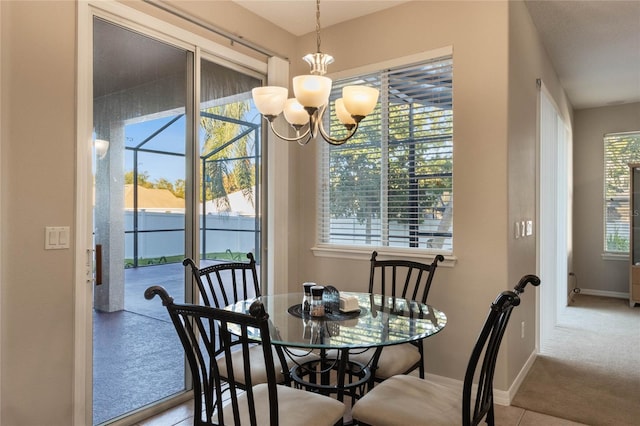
(98, 264)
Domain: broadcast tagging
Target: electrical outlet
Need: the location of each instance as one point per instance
(522, 330)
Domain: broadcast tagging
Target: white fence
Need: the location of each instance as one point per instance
(235, 233)
(239, 233)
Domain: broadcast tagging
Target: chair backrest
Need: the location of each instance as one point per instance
(489, 343)
(402, 278)
(226, 283)
(205, 335)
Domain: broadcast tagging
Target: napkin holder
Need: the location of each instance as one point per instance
(348, 303)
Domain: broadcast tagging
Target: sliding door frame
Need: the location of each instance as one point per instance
(554, 212)
(136, 20)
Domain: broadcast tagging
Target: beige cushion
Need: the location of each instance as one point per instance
(408, 400)
(295, 407)
(296, 356)
(258, 370)
(394, 359)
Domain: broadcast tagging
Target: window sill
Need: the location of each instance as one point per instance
(624, 257)
(384, 253)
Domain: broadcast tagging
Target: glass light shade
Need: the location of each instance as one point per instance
(360, 100)
(311, 90)
(102, 146)
(342, 113)
(295, 113)
(269, 99)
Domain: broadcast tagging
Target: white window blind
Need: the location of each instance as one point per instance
(392, 184)
(620, 149)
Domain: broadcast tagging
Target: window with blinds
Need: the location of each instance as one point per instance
(391, 185)
(620, 149)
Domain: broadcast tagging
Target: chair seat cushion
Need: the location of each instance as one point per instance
(409, 400)
(296, 356)
(394, 359)
(258, 370)
(295, 407)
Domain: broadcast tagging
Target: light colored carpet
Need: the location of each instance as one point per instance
(589, 371)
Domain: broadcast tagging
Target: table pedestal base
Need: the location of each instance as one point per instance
(333, 375)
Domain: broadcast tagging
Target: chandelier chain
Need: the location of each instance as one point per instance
(317, 25)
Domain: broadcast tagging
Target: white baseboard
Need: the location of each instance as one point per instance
(604, 293)
(515, 386)
(500, 397)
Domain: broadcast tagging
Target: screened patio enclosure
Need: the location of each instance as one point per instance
(154, 211)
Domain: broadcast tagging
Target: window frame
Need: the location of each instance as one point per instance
(361, 252)
(622, 197)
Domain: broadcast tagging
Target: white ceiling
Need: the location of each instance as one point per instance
(594, 45)
(299, 16)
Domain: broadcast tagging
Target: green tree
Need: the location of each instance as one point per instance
(620, 150)
(226, 152)
(623, 149)
(177, 188)
(354, 178)
(143, 179)
(418, 168)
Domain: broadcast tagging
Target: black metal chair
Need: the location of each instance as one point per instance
(209, 334)
(409, 400)
(226, 283)
(408, 280)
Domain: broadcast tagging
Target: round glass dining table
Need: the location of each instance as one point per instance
(379, 321)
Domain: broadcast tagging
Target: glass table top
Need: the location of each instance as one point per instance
(380, 321)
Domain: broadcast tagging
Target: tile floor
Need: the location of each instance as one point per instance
(182, 415)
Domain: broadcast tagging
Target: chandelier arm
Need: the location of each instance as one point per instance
(334, 141)
(298, 138)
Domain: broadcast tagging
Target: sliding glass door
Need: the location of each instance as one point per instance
(170, 181)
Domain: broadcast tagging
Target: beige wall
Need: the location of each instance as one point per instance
(593, 273)
(478, 33)
(527, 63)
(38, 137)
(493, 142)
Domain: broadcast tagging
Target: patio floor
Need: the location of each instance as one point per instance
(138, 358)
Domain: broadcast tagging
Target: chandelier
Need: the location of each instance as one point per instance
(304, 112)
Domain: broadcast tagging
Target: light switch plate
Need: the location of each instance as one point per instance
(56, 237)
(529, 228)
